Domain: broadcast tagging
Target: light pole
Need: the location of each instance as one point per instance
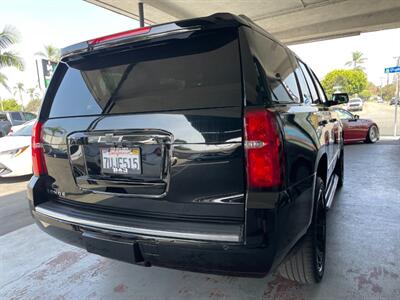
(397, 98)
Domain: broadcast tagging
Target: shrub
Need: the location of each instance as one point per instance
(10, 104)
(33, 106)
(350, 81)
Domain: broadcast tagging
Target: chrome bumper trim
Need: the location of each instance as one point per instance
(233, 238)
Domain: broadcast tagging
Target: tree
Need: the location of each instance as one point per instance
(357, 60)
(388, 91)
(34, 102)
(350, 81)
(32, 92)
(8, 37)
(33, 105)
(19, 89)
(365, 95)
(372, 88)
(10, 104)
(50, 53)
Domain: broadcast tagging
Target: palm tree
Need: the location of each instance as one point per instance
(32, 92)
(357, 60)
(19, 89)
(50, 53)
(9, 36)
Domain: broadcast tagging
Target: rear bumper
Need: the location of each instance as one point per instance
(355, 108)
(218, 257)
(209, 248)
(139, 227)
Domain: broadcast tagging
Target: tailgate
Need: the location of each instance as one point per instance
(155, 130)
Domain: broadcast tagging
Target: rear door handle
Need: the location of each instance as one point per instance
(322, 123)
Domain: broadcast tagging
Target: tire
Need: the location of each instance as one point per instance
(339, 169)
(306, 263)
(373, 134)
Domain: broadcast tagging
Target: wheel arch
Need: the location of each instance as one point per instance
(372, 124)
(369, 127)
(322, 168)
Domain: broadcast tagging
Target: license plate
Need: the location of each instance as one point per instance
(120, 161)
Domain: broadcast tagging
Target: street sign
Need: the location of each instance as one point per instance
(392, 70)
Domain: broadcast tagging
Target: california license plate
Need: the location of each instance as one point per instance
(121, 161)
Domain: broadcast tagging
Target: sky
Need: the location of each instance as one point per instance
(61, 23)
(379, 47)
(55, 22)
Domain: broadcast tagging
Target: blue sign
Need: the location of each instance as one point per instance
(393, 70)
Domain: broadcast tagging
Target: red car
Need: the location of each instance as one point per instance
(356, 129)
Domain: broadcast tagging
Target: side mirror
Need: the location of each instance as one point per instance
(338, 98)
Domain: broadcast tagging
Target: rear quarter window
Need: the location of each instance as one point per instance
(276, 76)
(202, 71)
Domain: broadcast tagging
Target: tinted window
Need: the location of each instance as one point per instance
(276, 78)
(305, 91)
(16, 116)
(3, 117)
(320, 90)
(197, 72)
(310, 82)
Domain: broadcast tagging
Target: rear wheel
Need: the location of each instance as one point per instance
(306, 264)
(373, 134)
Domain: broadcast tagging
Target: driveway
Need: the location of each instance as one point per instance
(363, 260)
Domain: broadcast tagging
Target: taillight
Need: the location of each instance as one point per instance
(263, 149)
(120, 35)
(38, 162)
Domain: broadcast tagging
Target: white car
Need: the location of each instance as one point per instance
(15, 128)
(15, 152)
(355, 104)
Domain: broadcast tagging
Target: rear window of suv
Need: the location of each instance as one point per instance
(200, 71)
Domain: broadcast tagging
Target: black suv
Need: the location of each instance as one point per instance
(202, 144)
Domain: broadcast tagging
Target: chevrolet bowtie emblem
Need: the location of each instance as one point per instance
(110, 138)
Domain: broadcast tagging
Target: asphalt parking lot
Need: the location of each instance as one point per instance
(363, 260)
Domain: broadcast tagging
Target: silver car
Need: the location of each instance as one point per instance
(355, 104)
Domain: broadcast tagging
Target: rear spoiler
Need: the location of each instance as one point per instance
(220, 20)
